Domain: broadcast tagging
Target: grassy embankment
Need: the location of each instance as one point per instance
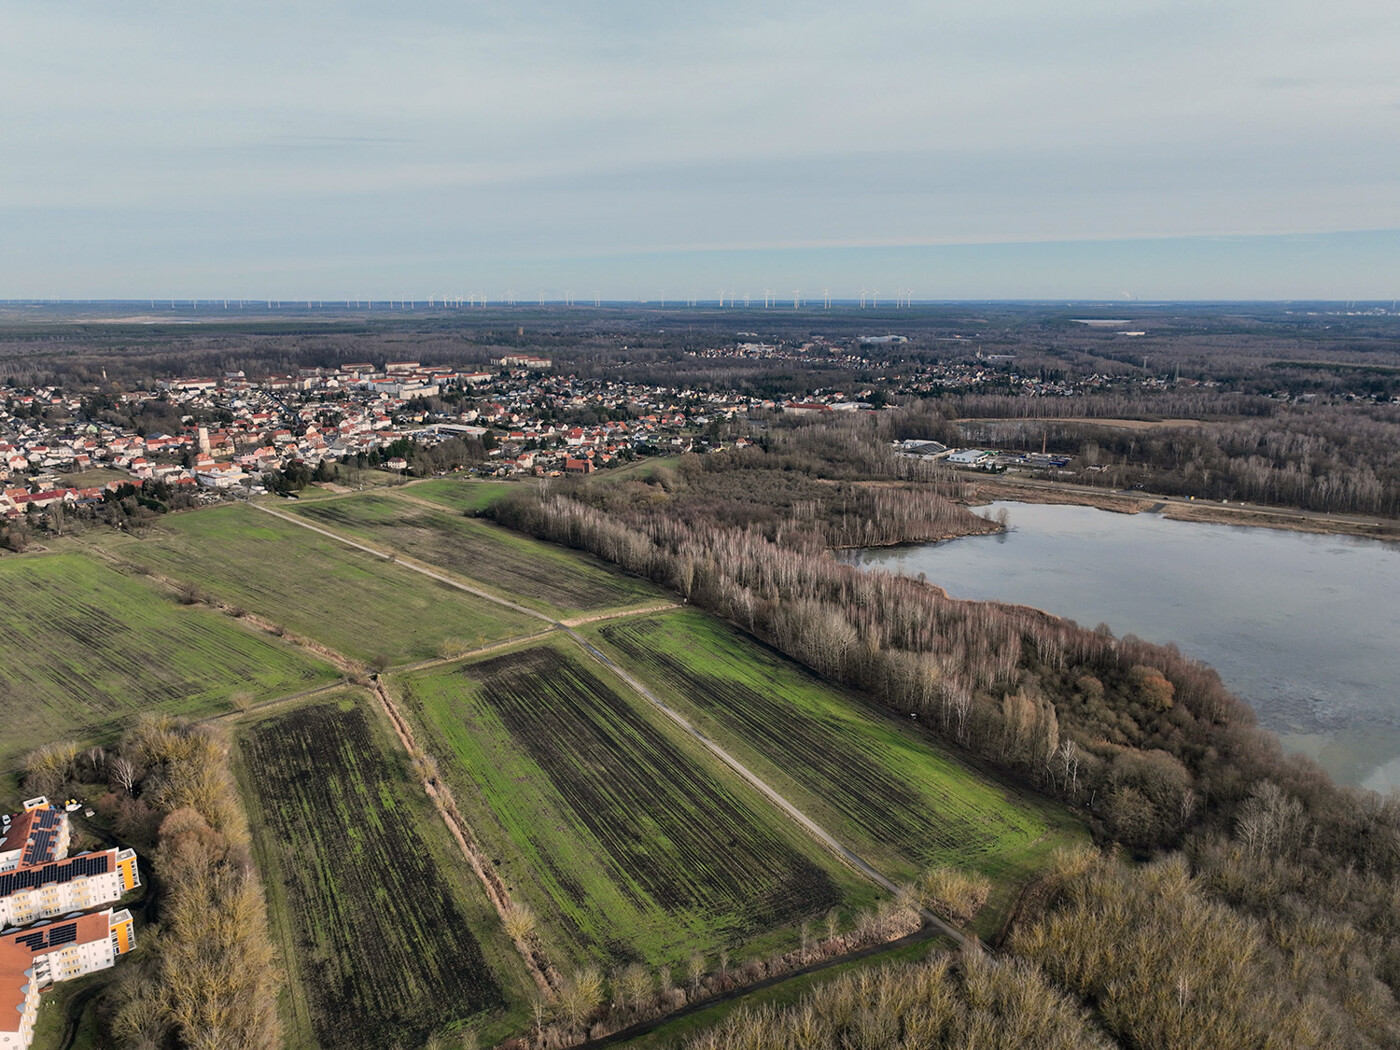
(85, 648)
(887, 790)
(353, 602)
(386, 934)
(556, 581)
(626, 838)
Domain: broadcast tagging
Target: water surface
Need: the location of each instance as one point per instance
(1304, 627)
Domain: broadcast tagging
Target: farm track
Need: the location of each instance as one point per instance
(545, 976)
(482, 553)
(815, 830)
(670, 836)
(923, 812)
(579, 621)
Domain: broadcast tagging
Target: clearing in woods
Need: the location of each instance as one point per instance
(883, 788)
(386, 933)
(85, 647)
(628, 840)
(355, 603)
(557, 581)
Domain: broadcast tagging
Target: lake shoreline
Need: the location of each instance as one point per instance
(1298, 625)
(1178, 508)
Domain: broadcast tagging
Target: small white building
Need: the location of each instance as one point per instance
(969, 457)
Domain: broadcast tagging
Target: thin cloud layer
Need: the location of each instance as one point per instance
(341, 149)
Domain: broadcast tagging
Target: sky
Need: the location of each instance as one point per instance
(1004, 149)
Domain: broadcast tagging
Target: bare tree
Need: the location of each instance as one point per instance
(123, 772)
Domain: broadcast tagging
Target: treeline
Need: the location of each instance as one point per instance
(1153, 956)
(128, 507)
(1138, 733)
(206, 977)
(1342, 458)
(1271, 918)
(591, 1006)
(944, 1002)
(1166, 959)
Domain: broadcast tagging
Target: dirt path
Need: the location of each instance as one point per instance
(803, 821)
(619, 614)
(393, 556)
(547, 979)
(806, 823)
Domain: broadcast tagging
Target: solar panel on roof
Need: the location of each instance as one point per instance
(65, 934)
(58, 871)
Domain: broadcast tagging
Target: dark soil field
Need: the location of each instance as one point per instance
(386, 941)
(524, 569)
(633, 845)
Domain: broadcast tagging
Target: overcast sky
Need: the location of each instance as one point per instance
(992, 149)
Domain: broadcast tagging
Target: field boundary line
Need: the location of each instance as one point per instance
(579, 621)
(398, 493)
(546, 977)
(815, 830)
(276, 701)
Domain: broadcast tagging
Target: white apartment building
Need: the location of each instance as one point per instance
(36, 957)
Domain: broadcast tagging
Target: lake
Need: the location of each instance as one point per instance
(1306, 628)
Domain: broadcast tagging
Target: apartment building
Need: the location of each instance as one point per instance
(49, 933)
(39, 956)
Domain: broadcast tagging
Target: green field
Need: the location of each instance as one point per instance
(626, 838)
(560, 582)
(881, 787)
(85, 647)
(351, 601)
(463, 494)
(386, 934)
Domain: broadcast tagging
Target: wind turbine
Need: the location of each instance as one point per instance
(862, 297)
(767, 298)
(874, 299)
(826, 298)
(796, 294)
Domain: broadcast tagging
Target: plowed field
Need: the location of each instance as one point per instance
(628, 841)
(384, 933)
(887, 791)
